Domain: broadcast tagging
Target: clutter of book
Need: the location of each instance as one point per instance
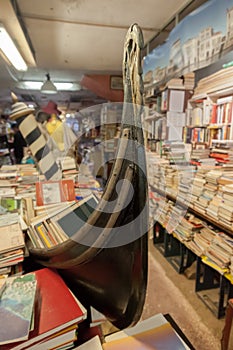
(37, 309)
(189, 139)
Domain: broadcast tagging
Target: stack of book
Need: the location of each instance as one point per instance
(225, 211)
(176, 215)
(208, 191)
(213, 207)
(163, 212)
(186, 177)
(41, 311)
(154, 203)
(12, 245)
(201, 155)
(197, 188)
(187, 227)
(203, 238)
(69, 167)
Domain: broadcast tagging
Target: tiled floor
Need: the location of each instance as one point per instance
(170, 292)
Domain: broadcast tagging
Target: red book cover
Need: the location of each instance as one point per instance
(49, 192)
(56, 308)
(213, 118)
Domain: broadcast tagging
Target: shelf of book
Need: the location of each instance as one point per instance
(213, 283)
(195, 211)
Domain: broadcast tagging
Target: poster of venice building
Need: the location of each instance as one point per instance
(200, 39)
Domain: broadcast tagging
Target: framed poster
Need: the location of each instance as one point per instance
(116, 83)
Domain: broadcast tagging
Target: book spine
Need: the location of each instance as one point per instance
(43, 234)
(60, 235)
(37, 239)
(53, 236)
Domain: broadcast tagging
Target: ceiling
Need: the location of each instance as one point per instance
(70, 39)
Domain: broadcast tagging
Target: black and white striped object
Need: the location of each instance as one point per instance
(37, 143)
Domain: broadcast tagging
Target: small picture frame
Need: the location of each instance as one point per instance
(116, 83)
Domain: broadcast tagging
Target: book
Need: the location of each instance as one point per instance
(92, 344)
(16, 308)
(61, 340)
(2, 284)
(49, 192)
(27, 209)
(11, 204)
(11, 258)
(153, 333)
(11, 237)
(56, 308)
(76, 216)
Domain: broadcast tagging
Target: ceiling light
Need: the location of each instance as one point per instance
(48, 87)
(10, 51)
(36, 85)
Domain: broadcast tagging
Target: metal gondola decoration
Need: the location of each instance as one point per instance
(105, 262)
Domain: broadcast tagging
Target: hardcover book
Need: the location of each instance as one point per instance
(56, 308)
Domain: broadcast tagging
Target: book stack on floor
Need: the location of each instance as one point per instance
(42, 312)
(153, 333)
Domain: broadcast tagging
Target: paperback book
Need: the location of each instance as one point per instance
(16, 308)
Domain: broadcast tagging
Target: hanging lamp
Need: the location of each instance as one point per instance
(48, 87)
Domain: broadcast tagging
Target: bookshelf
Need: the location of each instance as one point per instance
(181, 251)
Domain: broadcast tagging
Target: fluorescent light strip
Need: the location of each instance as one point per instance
(36, 85)
(10, 51)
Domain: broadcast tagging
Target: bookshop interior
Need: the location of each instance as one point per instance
(116, 174)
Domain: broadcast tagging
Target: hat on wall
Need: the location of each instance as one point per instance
(19, 109)
(51, 108)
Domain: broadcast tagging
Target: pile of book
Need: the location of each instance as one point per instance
(154, 203)
(216, 246)
(187, 227)
(38, 311)
(225, 212)
(68, 167)
(12, 245)
(60, 223)
(185, 185)
(163, 212)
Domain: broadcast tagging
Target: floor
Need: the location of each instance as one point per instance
(173, 293)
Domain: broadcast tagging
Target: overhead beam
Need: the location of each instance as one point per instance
(91, 24)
